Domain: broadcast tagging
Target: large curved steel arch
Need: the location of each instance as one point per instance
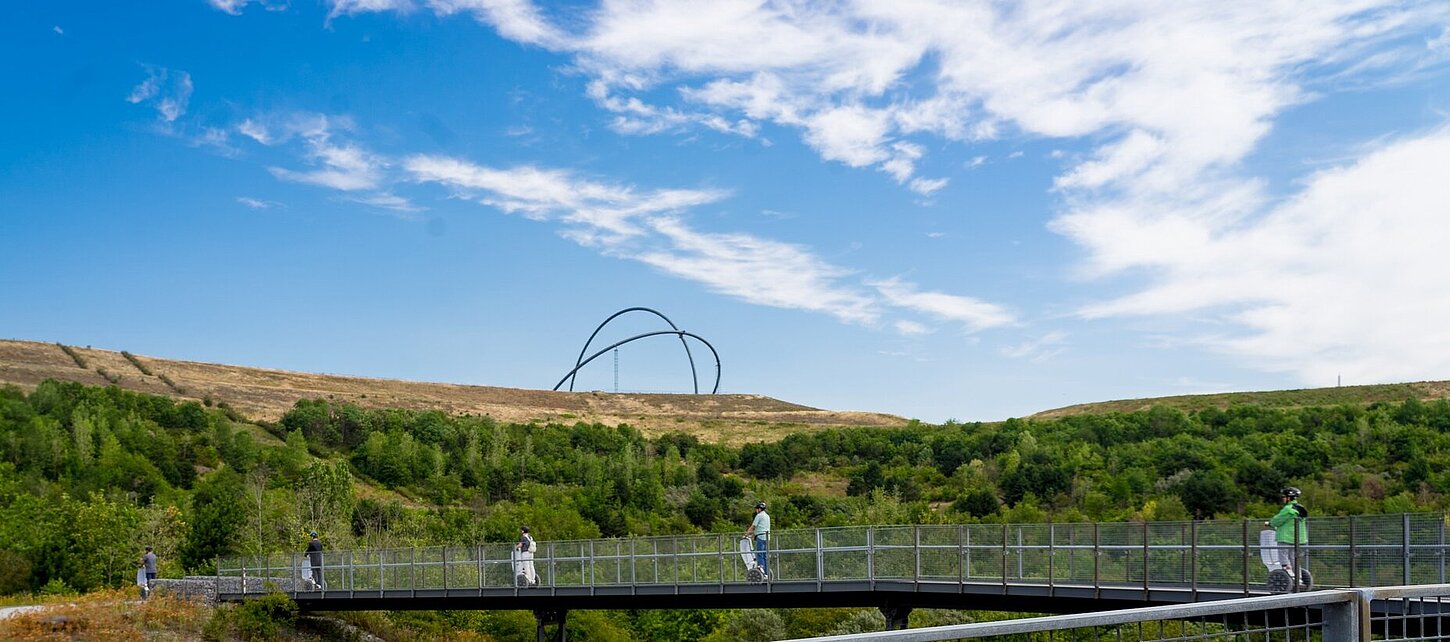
(681, 333)
(579, 362)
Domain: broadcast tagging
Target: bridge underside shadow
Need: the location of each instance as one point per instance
(1060, 599)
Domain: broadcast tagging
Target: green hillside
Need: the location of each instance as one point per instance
(1359, 395)
(89, 475)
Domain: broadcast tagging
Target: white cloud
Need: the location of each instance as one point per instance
(234, 7)
(351, 7)
(255, 131)
(757, 270)
(387, 201)
(974, 313)
(648, 226)
(1171, 89)
(1038, 350)
(166, 90)
(1347, 276)
(339, 164)
(926, 186)
(58, 31)
(260, 203)
(911, 328)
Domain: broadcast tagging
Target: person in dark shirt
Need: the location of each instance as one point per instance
(314, 559)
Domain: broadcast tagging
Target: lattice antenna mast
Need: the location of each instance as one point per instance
(616, 369)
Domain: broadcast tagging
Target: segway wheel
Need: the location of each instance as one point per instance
(521, 580)
(754, 575)
(1306, 580)
(1279, 581)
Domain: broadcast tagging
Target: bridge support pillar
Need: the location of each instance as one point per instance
(548, 618)
(896, 616)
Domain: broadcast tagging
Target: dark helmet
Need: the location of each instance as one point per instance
(760, 505)
(1290, 492)
(524, 529)
(313, 533)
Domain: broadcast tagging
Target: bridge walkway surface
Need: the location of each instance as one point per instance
(1045, 568)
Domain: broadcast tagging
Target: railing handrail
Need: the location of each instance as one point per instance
(1101, 618)
(1133, 555)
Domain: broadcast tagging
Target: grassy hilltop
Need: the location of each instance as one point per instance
(265, 395)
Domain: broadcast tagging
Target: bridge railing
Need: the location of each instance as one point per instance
(1347, 615)
(1221, 555)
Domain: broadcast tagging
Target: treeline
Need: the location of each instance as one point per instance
(90, 475)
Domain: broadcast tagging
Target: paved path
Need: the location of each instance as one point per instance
(13, 611)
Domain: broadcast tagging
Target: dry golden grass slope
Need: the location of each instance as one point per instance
(1356, 395)
(266, 394)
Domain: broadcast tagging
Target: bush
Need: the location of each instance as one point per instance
(262, 618)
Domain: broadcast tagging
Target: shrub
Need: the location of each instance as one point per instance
(262, 618)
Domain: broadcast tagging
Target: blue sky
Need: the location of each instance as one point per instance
(950, 209)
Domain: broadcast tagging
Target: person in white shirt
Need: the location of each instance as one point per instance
(759, 531)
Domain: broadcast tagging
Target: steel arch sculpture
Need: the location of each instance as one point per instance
(582, 361)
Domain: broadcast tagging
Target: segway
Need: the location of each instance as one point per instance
(753, 573)
(1280, 579)
(524, 575)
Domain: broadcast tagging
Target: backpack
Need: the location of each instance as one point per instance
(1303, 512)
(533, 545)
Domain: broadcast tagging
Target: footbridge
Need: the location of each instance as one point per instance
(1047, 568)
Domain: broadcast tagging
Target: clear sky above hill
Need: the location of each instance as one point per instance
(951, 209)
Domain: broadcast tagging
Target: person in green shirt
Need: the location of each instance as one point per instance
(1290, 529)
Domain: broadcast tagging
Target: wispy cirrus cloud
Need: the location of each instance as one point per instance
(334, 161)
(649, 226)
(166, 90)
(257, 203)
(1038, 350)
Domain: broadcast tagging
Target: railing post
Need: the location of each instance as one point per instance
(1051, 556)
(1440, 552)
(592, 562)
(413, 570)
(1347, 621)
(1004, 559)
(1246, 557)
(916, 548)
(870, 558)
(1020, 554)
(820, 561)
(1097, 563)
(244, 580)
(1404, 546)
(552, 584)
(1145, 558)
(633, 571)
(382, 573)
(962, 559)
(1193, 558)
(445, 571)
(481, 582)
(1353, 558)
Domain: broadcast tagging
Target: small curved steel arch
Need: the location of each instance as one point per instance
(680, 333)
(579, 363)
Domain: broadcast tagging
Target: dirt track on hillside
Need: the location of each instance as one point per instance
(266, 394)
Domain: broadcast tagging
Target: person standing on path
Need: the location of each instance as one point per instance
(759, 531)
(314, 559)
(147, 569)
(526, 548)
